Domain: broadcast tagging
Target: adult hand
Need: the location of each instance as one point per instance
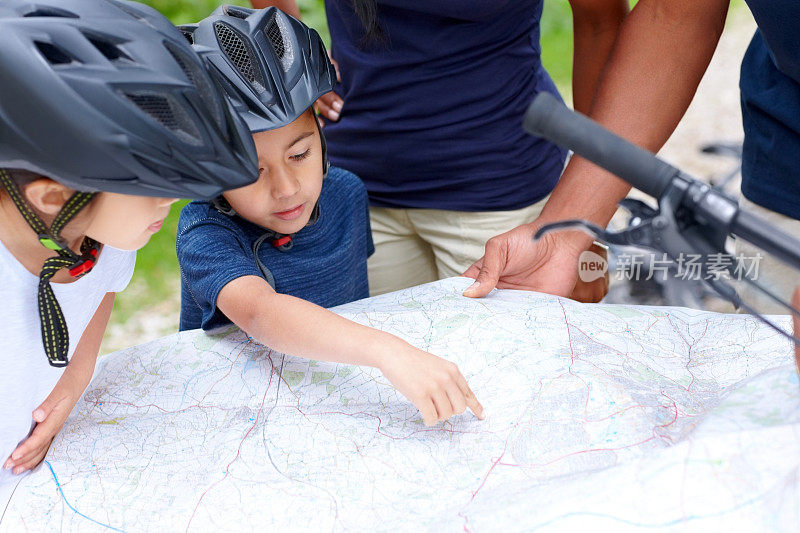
(434, 385)
(592, 291)
(50, 417)
(329, 105)
(513, 260)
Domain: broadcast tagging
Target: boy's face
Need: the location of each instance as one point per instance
(119, 220)
(126, 222)
(289, 179)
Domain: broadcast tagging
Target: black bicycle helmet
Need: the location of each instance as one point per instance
(106, 95)
(273, 67)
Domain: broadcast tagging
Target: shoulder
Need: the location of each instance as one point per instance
(200, 218)
(343, 184)
(195, 213)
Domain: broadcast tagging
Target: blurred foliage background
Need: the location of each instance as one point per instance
(149, 307)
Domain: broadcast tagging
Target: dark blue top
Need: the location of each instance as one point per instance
(432, 117)
(327, 264)
(770, 84)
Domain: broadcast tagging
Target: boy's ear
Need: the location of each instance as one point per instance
(47, 196)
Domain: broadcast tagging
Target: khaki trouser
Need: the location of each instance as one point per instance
(774, 275)
(415, 246)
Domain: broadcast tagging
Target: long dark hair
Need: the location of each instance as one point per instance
(367, 13)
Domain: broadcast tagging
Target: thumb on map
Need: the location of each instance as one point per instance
(486, 272)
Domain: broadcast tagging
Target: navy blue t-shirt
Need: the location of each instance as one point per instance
(432, 116)
(327, 264)
(770, 85)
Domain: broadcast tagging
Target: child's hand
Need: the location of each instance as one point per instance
(431, 383)
(50, 417)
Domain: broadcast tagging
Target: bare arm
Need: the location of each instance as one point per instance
(595, 25)
(295, 326)
(53, 412)
(287, 6)
(657, 62)
(660, 57)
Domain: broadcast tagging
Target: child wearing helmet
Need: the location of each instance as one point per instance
(100, 131)
(271, 256)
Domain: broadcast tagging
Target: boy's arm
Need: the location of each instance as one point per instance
(53, 412)
(295, 326)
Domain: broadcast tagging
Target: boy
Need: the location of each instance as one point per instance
(106, 116)
(275, 68)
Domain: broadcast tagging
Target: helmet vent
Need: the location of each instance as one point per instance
(238, 12)
(53, 54)
(240, 55)
(50, 11)
(164, 109)
(200, 80)
(188, 31)
(109, 50)
(278, 35)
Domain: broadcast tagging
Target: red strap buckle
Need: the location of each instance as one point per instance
(280, 242)
(81, 268)
(85, 266)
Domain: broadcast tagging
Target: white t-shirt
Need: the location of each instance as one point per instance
(26, 377)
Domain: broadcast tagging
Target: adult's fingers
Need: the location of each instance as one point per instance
(494, 261)
(336, 68)
(474, 269)
(329, 105)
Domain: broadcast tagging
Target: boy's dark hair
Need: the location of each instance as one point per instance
(367, 13)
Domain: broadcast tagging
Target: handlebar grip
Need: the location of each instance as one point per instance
(767, 237)
(549, 118)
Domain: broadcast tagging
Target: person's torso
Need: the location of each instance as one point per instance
(432, 115)
(770, 85)
(27, 377)
(327, 263)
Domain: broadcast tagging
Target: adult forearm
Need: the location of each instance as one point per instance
(595, 28)
(642, 94)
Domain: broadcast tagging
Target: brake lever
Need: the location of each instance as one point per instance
(640, 236)
(643, 235)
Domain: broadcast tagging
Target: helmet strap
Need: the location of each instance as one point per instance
(55, 336)
(326, 163)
